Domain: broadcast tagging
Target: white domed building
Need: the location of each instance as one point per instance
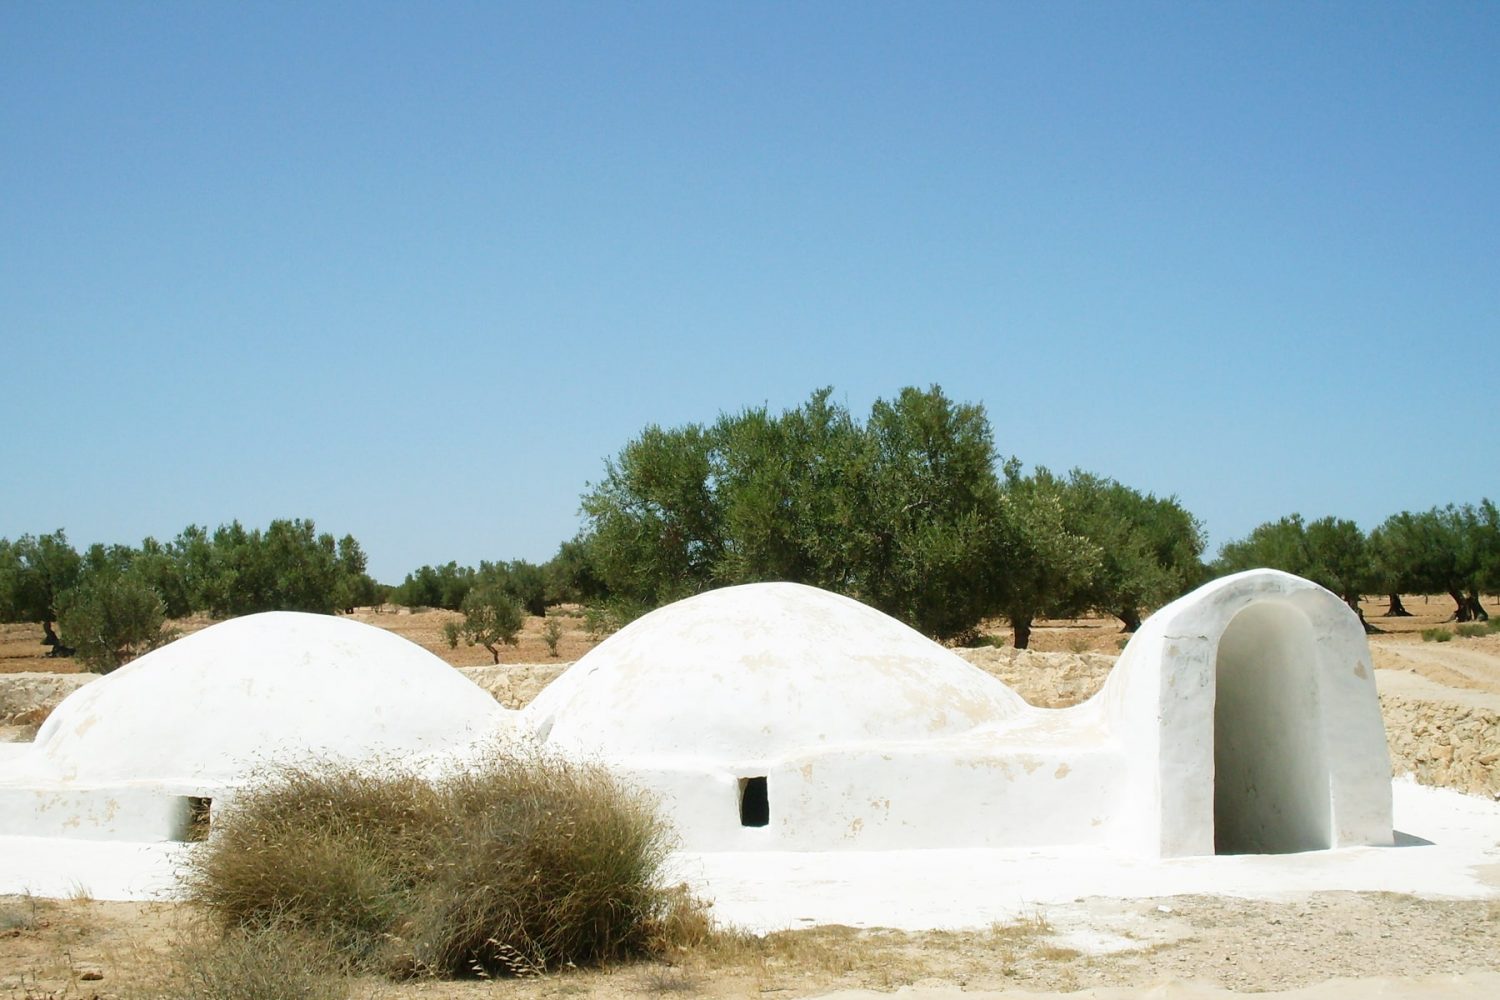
(1242, 718)
(143, 753)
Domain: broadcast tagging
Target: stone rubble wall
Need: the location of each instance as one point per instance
(1046, 680)
(1451, 746)
(514, 685)
(28, 698)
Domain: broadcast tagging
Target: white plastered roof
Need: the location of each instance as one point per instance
(249, 691)
(762, 670)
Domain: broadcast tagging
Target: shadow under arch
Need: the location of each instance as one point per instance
(1271, 768)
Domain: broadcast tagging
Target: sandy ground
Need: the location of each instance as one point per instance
(1357, 941)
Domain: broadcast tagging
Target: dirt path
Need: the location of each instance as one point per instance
(1466, 664)
(1410, 684)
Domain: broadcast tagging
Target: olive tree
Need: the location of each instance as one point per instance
(1332, 552)
(110, 618)
(35, 571)
(1044, 566)
(491, 618)
(1150, 548)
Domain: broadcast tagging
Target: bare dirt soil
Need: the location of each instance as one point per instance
(1442, 707)
(51, 949)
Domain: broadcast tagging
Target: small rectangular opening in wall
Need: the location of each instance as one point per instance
(755, 804)
(199, 811)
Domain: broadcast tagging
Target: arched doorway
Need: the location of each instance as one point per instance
(1270, 763)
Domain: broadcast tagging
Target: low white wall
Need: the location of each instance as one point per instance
(964, 793)
(139, 813)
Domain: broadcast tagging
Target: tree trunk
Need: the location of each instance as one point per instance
(1353, 601)
(49, 637)
(1397, 609)
(1021, 632)
(1476, 610)
(1464, 613)
(1132, 619)
(495, 653)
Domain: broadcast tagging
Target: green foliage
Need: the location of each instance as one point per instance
(491, 618)
(1453, 550)
(904, 512)
(288, 567)
(1330, 551)
(160, 568)
(934, 504)
(657, 528)
(523, 582)
(111, 618)
(354, 587)
(552, 631)
(797, 491)
(605, 618)
(1474, 630)
(1045, 565)
(34, 573)
(1438, 634)
(113, 597)
(898, 512)
(520, 864)
(570, 576)
(1149, 548)
(435, 587)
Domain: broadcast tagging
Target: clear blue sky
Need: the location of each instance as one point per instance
(416, 270)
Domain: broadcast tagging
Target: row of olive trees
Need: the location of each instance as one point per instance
(528, 585)
(493, 599)
(1453, 550)
(110, 602)
(905, 511)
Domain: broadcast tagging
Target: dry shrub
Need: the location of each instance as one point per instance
(274, 960)
(327, 848)
(519, 864)
(546, 863)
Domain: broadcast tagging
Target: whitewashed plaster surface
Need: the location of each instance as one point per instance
(119, 758)
(1244, 713)
(863, 734)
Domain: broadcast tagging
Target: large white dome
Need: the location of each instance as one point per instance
(761, 670)
(275, 686)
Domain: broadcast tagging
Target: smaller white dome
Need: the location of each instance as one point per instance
(275, 686)
(762, 670)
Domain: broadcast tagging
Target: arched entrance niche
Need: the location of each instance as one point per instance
(1271, 768)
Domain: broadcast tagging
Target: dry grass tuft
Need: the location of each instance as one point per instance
(19, 914)
(516, 866)
(274, 960)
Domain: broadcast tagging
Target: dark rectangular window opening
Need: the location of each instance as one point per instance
(195, 829)
(755, 804)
